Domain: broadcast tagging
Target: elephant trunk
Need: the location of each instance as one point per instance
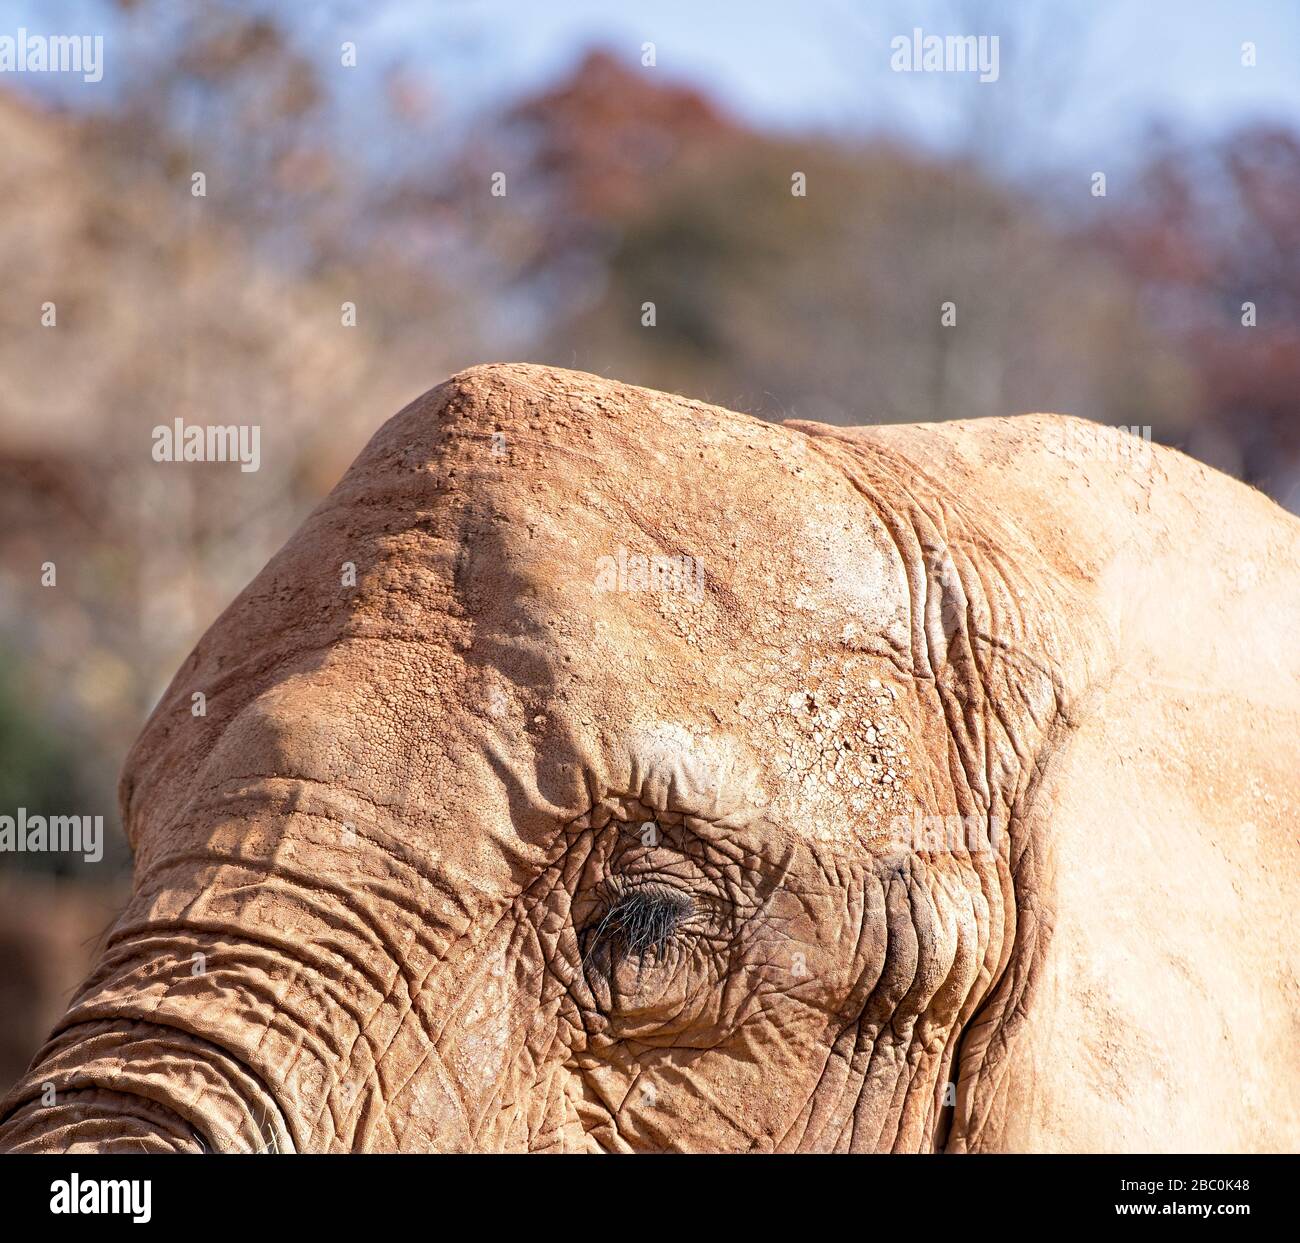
(227, 1011)
(129, 1085)
(170, 1045)
(267, 990)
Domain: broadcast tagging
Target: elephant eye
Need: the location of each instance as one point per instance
(638, 922)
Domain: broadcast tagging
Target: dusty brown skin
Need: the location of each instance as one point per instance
(396, 890)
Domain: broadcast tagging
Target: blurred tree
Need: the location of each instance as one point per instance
(1208, 229)
(38, 766)
(824, 305)
(222, 309)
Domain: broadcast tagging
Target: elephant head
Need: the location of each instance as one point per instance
(601, 770)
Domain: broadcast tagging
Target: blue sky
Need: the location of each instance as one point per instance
(1088, 70)
(1078, 78)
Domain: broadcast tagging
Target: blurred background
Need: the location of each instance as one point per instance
(648, 151)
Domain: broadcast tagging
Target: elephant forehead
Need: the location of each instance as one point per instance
(767, 554)
(519, 561)
(512, 493)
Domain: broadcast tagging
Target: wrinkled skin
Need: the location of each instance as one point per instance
(474, 855)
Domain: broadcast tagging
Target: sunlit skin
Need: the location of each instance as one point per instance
(904, 807)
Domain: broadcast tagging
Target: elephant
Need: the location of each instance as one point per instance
(598, 770)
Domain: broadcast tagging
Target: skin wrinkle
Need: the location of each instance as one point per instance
(280, 950)
(259, 803)
(861, 1031)
(322, 1052)
(182, 1137)
(982, 1084)
(119, 1007)
(465, 996)
(1006, 1012)
(520, 898)
(140, 1028)
(804, 1121)
(85, 1011)
(302, 888)
(361, 1037)
(529, 1019)
(299, 1035)
(958, 734)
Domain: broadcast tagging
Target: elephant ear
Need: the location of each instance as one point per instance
(1153, 853)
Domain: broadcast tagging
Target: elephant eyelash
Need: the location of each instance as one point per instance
(640, 919)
